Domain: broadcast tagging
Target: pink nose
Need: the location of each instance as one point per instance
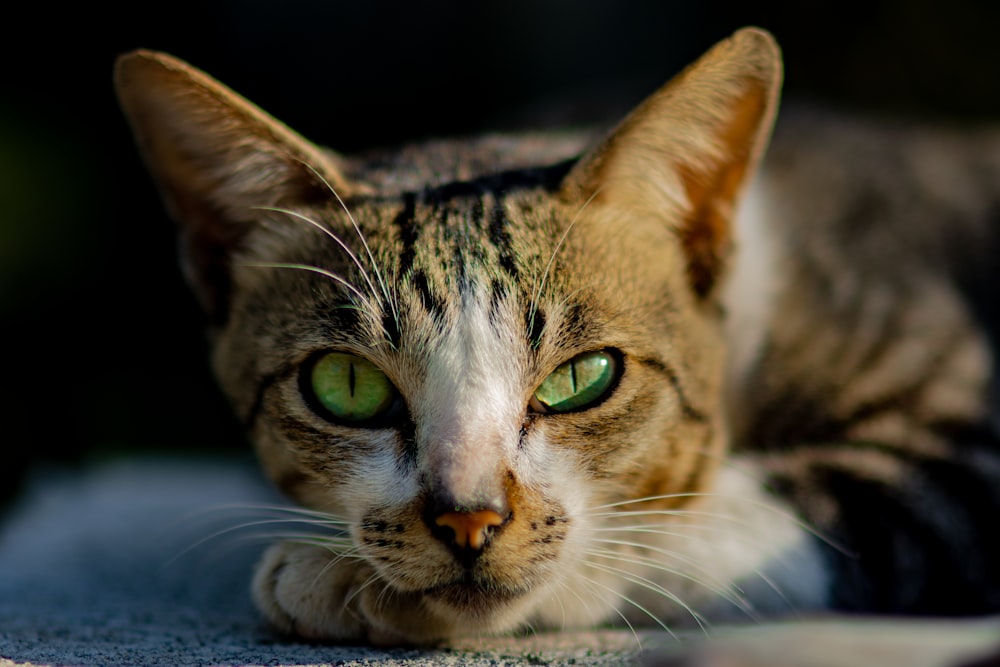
(470, 528)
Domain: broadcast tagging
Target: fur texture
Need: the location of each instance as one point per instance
(796, 415)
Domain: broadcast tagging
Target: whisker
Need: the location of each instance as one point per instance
(593, 585)
(740, 467)
(728, 591)
(314, 269)
(651, 585)
(791, 518)
(552, 258)
(253, 524)
(324, 528)
(777, 591)
(632, 602)
(364, 242)
(353, 552)
(562, 607)
(646, 560)
(648, 499)
(234, 543)
(260, 508)
(368, 582)
(693, 527)
(566, 585)
(329, 232)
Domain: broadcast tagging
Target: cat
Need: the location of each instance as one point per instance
(557, 379)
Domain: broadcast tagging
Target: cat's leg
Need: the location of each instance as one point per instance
(309, 591)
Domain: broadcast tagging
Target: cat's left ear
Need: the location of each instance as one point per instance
(218, 159)
(686, 152)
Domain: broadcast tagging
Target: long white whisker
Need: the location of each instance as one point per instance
(294, 538)
(368, 582)
(648, 499)
(364, 242)
(315, 269)
(566, 585)
(630, 601)
(270, 509)
(651, 585)
(683, 533)
(252, 524)
(594, 585)
(331, 234)
(337, 557)
(722, 517)
(650, 562)
(724, 590)
(552, 258)
(685, 512)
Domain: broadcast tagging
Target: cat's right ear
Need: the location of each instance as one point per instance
(217, 159)
(686, 154)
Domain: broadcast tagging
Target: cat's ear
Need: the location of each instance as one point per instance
(686, 152)
(217, 159)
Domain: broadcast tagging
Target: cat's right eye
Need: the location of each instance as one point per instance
(580, 383)
(348, 388)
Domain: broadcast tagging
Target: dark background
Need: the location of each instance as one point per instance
(101, 342)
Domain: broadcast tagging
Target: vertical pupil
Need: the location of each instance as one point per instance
(351, 378)
(572, 375)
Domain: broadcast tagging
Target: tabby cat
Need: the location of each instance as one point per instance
(552, 380)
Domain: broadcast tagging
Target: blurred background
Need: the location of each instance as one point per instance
(102, 346)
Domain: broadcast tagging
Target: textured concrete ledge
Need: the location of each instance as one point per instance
(107, 566)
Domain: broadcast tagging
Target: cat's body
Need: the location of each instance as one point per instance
(868, 397)
(537, 391)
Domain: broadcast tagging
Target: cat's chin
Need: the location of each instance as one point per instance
(437, 615)
(474, 596)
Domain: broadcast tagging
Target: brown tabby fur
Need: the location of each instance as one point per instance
(821, 349)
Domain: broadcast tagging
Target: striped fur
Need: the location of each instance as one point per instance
(801, 418)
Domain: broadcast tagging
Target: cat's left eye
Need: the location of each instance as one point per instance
(348, 388)
(580, 383)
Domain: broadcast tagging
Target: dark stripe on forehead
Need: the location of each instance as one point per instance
(483, 199)
(498, 294)
(436, 307)
(408, 232)
(390, 325)
(574, 321)
(534, 322)
(546, 178)
(500, 237)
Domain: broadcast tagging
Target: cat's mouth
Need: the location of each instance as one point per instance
(474, 594)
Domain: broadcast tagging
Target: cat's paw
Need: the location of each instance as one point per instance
(309, 591)
(303, 590)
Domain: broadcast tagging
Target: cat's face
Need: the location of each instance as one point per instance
(473, 370)
(462, 333)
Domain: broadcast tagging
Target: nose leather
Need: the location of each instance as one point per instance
(470, 528)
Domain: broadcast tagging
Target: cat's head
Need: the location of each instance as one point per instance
(472, 351)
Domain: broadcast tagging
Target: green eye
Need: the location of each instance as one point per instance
(579, 383)
(350, 388)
